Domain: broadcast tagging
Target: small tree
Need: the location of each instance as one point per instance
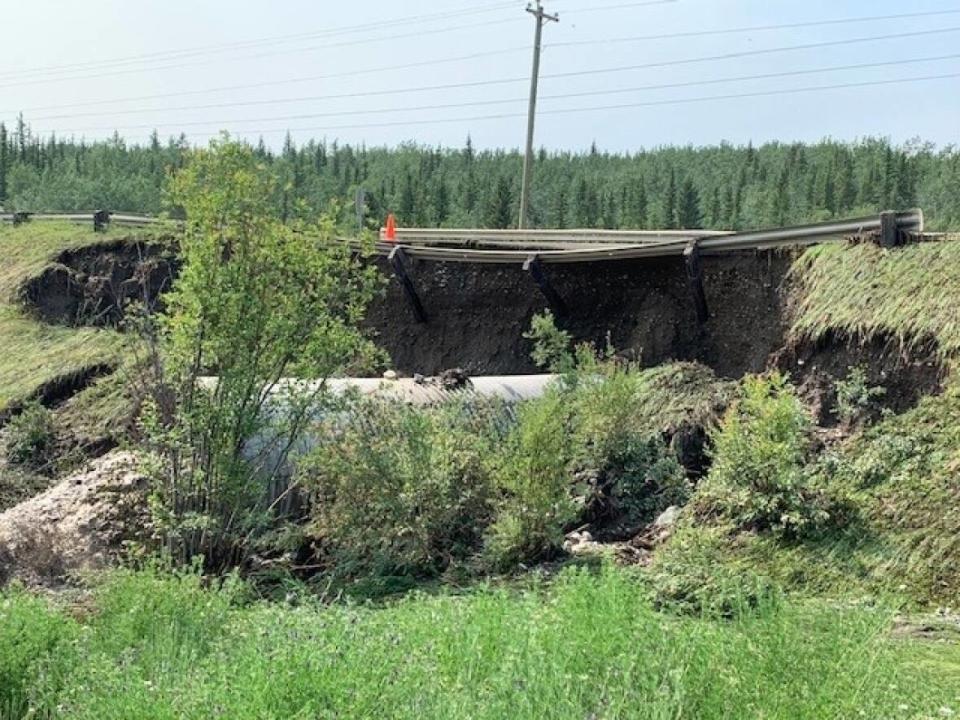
(257, 301)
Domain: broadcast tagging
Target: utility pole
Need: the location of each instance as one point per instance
(541, 17)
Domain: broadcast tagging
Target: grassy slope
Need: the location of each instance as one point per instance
(36, 353)
(589, 646)
(911, 293)
(902, 475)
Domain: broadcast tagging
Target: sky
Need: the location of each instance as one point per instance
(384, 73)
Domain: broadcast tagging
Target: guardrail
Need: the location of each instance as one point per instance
(535, 248)
(101, 219)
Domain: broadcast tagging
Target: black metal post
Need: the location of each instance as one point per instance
(397, 258)
(535, 268)
(691, 256)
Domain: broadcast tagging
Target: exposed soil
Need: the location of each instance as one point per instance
(77, 525)
(905, 375)
(477, 314)
(93, 285)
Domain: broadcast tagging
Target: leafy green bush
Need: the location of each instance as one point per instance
(855, 397)
(633, 475)
(31, 437)
(695, 574)
(758, 479)
(401, 489)
(551, 345)
(532, 474)
(258, 300)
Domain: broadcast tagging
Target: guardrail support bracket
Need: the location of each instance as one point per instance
(101, 219)
(397, 258)
(533, 266)
(691, 257)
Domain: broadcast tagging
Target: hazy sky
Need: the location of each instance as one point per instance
(58, 56)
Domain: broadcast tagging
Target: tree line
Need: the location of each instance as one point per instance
(716, 187)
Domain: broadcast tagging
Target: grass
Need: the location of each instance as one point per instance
(587, 646)
(861, 291)
(36, 353)
(901, 482)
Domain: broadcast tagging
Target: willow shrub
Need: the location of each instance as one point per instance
(257, 300)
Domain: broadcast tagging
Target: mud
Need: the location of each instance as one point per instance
(94, 285)
(477, 314)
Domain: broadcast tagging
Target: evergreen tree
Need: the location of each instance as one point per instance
(441, 202)
(668, 215)
(500, 205)
(407, 210)
(3, 162)
(688, 212)
(640, 204)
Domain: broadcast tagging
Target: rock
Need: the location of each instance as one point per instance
(668, 518)
(659, 531)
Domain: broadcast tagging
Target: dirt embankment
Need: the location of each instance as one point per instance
(478, 313)
(94, 285)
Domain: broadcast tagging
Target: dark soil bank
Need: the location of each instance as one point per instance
(93, 285)
(477, 314)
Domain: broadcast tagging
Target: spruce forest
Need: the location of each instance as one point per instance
(715, 187)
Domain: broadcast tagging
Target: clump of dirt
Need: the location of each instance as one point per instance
(905, 375)
(77, 525)
(94, 285)
(477, 314)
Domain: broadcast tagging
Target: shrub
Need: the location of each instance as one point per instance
(633, 474)
(551, 345)
(855, 397)
(758, 479)
(532, 474)
(31, 438)
(400, 489)
(695, 574)
(257, 301)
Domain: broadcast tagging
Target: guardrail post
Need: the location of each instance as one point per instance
(533, 266)
(101, 219)
(397, 258)
(19, 218)
(691, 257)
(889, 231)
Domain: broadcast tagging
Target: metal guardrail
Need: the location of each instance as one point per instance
(564, 246)
(568, 246)
(99, 218)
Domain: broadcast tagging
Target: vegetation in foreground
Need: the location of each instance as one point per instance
(461, 490)
(154, 645)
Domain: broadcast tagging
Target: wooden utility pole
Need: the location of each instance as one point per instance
(541, 17)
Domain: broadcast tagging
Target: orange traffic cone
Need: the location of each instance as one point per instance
(390, 235)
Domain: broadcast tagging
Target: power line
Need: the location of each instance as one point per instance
(400, 36)
(598, 108)
(754, 28)
(577, 73)
(289, 81)
(174, 55)
(473, 56)
(331, 32)
(507, 101)
(753, 53)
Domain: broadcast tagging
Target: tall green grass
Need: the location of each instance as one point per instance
(909, 294)
(586, 646)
